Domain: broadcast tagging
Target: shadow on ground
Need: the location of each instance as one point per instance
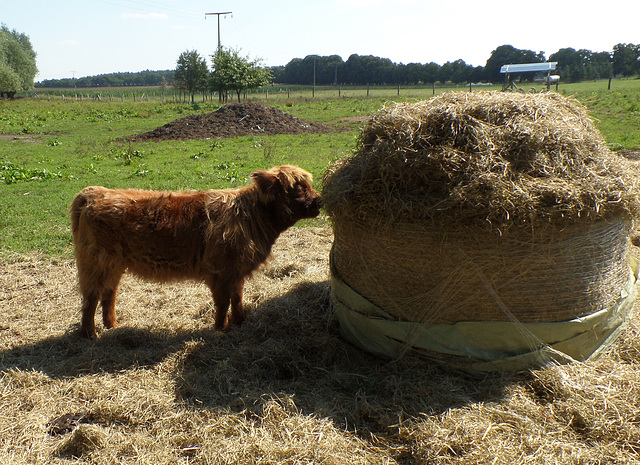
(289, 348)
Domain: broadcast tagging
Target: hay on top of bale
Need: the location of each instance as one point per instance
(481, 158)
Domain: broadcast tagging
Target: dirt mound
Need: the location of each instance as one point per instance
(234, 119)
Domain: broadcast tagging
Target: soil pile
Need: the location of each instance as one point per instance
(232, 120)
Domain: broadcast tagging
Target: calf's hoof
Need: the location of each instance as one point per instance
(88, 334)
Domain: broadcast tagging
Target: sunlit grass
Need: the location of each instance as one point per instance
(51, 149)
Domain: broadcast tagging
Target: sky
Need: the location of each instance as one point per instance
(91, 37)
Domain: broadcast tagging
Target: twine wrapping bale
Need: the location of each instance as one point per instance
(482, 207)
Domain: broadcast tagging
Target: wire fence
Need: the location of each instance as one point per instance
(273, 92)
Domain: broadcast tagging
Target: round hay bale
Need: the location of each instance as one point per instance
(484, 206)
(431, 275)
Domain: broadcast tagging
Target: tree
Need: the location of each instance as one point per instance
(191, 73)
(571, 64)
(368, 69)
(457, 72)
(506, 55)
(302, 71)
(626, 60)
(278, 73)
(17, 62)
(432, 72)
(413, 73)
(9, 81)
(600, 65)
(231, 72)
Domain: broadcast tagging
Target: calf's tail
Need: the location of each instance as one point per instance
(76, 210)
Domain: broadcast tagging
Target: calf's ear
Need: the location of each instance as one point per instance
(265, 182)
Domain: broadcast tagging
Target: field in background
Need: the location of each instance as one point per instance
(279, 92)
(51, 148)
(285, 387)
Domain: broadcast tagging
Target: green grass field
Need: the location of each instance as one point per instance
(51, 148)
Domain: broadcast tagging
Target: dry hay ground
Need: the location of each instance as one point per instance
(283, 388)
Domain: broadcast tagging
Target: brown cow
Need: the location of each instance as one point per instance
(216, 236)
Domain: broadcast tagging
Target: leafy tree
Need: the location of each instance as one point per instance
(626, 59)
(600, 65)
(328, 70)
(368, 70)
(9, 80)
(568, 57)
(232, 72)
(413, 73)
(506, 55)
(571, 64)
(278, 73)
(17, 61)
(432, 72)
(457, 72)
(191, 73)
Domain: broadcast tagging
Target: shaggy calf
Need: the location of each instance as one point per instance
(216, 236)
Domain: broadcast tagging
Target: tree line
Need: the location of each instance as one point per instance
(142, 78)
(573, 66)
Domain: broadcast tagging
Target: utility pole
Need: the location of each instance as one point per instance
(218, 15)
(219, 51)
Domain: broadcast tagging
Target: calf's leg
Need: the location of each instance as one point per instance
(98, 284)
(221, 300)
(227, 292)
(89, 305)
(109, 291)
(237, 312)
(88, 278)
(109, 308)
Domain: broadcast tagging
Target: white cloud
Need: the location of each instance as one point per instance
(146, 16)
